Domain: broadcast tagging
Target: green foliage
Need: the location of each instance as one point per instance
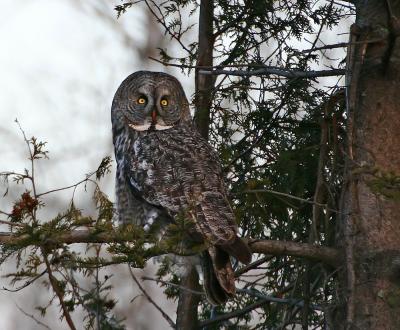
(43, 249)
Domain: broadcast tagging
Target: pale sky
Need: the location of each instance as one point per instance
(60, 65)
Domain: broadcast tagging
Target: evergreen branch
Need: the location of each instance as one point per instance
(264, 299)
(27, 283)
(290, 301)
(325, 254)
(342, 45)
(269, 70)
(261, 71)
(231, 315)
(254, 293)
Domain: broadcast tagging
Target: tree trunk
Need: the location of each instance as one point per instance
(187, 306)
(371, 200)
(188, 303)
(204, 83)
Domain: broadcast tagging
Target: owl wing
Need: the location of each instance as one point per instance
(130, 205)
(179, 171)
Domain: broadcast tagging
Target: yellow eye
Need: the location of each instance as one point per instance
(164, 102)
(141, 100)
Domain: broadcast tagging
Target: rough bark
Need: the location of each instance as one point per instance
(371, 202)
(204, 82)
(188, 303)
(187, 315)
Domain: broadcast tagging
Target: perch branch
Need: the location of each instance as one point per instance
(328, 255)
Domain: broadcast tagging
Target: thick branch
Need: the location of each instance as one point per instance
(328, 255)
(325, 254)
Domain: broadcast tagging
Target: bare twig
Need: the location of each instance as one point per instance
(166, 317)
(180, 287)
(32, 176)
(67, 187)
(161, 19)
(5, 213)
(352, 8)
(255, 191)
(320, 29)
(33, 318)
(12, 224)
(253, 265)
(333, 46)
(58, 292)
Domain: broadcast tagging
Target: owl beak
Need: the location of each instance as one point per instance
(153, 116)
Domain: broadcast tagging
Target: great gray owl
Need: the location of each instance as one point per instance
(165, 168)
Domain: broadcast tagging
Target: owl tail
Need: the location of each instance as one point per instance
(219, 278)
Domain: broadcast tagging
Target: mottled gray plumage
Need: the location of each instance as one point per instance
(165, 168)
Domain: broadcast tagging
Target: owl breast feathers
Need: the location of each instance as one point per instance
(165, 168)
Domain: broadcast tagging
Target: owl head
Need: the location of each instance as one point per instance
(150, 101)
